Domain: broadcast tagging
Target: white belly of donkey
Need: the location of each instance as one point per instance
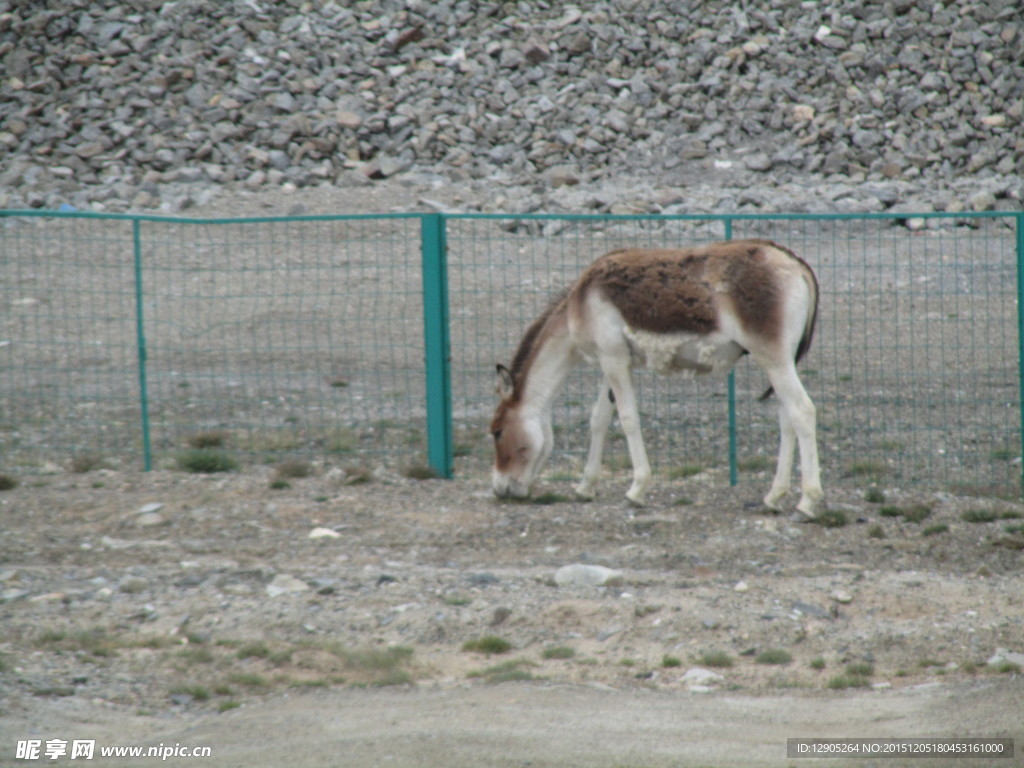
(689, 354)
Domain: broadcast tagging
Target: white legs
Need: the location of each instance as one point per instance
(618, 383)
(797, 424)
(600, 420)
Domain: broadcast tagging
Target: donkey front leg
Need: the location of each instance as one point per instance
(600, 419)
(621, 381)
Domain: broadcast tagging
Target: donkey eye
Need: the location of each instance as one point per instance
(497, 434)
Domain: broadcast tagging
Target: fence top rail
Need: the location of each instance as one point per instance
(820, 216)
(148, 217)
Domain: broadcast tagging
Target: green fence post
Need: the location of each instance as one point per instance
(437, 344)
(140, 339)
(1020, 329)
(731, 395)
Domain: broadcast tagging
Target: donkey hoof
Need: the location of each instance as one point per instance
(635, 499)
(584, 492)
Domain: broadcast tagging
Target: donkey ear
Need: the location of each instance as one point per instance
(505, 381)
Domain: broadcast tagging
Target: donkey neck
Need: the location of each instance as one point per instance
(547, 367)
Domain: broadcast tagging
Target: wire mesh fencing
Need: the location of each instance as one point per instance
(126, 340)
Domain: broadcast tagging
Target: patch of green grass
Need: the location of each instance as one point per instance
(818, 663)
(279, 485)
(377, 659)
(979, 516)
(876, 532)
(914, 514)
(96, 642)
(249, 679)
(671, 661)
(227, 706)
(559, 652)
(489, 644)
(716, 659)
(755, 464)
(683, 472)
(1007, 668)
(8, 482)
(848, 681)
(933, 530)
(506, 672)
(830, 518)
(774, 656)
(206, 461)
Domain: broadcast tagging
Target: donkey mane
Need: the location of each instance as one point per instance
(527, 346)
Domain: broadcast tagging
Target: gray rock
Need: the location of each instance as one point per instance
(580, 575)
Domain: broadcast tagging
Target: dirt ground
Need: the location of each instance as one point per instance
(356, 616)
(333, 621)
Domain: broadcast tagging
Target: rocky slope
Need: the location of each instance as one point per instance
(138, 104)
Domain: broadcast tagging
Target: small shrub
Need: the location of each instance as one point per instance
(774, 656)
(206, 462)
(86, 462)
(420, 472)
(716, 659)
(916, 513)
(671, 661)
(279, 485)
(933, 530)
(294, 469)
(890, 511)
(818, 663)
(874, 496)
(8, 483)
(489, 644)
(876, 532)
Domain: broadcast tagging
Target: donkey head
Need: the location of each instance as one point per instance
(522, 441)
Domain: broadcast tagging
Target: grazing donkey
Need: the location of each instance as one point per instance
(692, 311)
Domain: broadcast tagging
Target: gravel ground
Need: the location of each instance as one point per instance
(180, 598)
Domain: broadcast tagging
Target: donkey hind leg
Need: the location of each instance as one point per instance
(797, 419)
(620, 379)
(600, 420)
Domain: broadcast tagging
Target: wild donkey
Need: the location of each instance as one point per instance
(692, 311)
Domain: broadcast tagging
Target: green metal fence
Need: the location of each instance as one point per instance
(126, 339)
